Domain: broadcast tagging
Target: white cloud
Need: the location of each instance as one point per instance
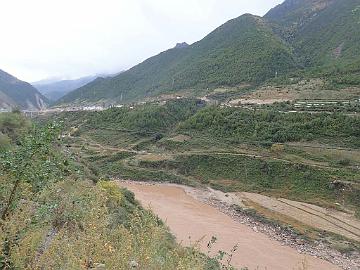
(73, 38)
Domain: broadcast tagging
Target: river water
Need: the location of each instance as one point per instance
(191, 220)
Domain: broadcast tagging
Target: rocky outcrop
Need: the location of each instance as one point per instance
(181, 45)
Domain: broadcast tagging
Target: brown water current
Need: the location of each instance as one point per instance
(191, 220)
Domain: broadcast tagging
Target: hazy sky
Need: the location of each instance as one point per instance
(74, 38)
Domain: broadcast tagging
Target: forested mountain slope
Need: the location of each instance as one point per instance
(244, 49)
(323, 33)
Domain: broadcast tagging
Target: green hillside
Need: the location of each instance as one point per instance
(311, 38)
(18, 94)
(325, 34)
(242, 50)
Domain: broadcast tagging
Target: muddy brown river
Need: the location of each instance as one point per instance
(191, 220)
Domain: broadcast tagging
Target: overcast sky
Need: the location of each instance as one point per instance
(74, 38)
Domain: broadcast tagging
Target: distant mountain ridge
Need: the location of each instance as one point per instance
(15, 93)
(56, 89)
(314, 37)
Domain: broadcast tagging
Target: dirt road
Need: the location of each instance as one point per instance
(190, 220)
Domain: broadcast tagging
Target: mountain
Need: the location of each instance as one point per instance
(18, 94)
(308, 38)
(55, 89)
(321, 32)
(182, 45)
(244, 49)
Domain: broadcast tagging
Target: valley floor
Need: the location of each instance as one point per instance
(297, 193)
(199, 214)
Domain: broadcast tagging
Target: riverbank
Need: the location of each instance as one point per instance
(203, 213)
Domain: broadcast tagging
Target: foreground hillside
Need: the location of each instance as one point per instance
(18, 94)
(295, 40)
(51, 217)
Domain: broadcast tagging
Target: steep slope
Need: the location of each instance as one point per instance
(322, 32)
(244, 49)
(297, 12)
(18, 94)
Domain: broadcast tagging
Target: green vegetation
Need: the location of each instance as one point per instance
(52, 218)
(242, 50)
(292, 155)
(325, 37)
(270, 126)
(12, 127)
(146, 118)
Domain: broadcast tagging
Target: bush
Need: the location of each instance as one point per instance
(4, 142)
(344, 162)
(239, 125)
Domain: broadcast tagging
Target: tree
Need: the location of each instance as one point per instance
(34, 162)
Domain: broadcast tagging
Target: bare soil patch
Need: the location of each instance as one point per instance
(180, 138)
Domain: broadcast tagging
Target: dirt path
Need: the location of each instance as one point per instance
(257, 156)
(190, 220)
